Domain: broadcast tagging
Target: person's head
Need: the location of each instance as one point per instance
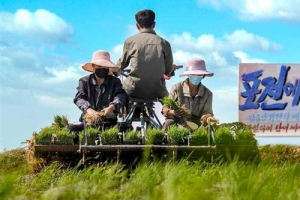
(145, 19)
(100, 64)
(196, 71)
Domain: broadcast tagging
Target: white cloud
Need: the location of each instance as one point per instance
(206, 41)
(40, 25)
(116, 52)
(219, 59)
(218, 53)
(214, 59)
(53, 101)
(247, 59)
(8, 91)
(131, 30)
(18, 57)
(185, 40)
(239, 39)
(23, 67)
(181, 57)
(59, 76)
(225, 103)
(258, 9)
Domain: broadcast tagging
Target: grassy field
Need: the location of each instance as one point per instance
(277, 176)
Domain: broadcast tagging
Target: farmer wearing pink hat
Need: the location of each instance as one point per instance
(99, 90)
(192, 94)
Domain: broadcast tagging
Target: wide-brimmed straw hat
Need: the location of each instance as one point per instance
(196, 67)
(101, 58)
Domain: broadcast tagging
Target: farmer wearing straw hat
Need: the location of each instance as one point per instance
(191, 94)
(100, 90)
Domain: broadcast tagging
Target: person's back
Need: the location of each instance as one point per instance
(150, 57)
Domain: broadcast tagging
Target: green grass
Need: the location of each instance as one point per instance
(159, 181)
(276, 176)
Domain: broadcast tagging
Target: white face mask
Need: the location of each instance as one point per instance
(195, 80)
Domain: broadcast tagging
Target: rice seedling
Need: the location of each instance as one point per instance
(110, 136)
(223, 136)
(92, 133)
(50, 135)
(177, 135)
(199, 137)
(154, 136)
(46, 135)
(245, 137)
(60, 122)
(133, 137)
(172, 104)
(64, 137)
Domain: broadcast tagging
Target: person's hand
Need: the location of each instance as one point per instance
(167, 77)
(204, 117)
(179, 113)
(168, 112)
(109, 110)
(175, 67)
(111, 73)
(91, 111)
(171, 113)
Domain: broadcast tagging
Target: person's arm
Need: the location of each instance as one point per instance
(175, 67)
(169, 69)
(120, 96)
(81, 97)
(207, 110)
(123, 62)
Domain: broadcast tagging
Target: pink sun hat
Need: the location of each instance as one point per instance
(101, 58)
(196, 67)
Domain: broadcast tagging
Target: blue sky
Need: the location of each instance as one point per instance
(43, 45)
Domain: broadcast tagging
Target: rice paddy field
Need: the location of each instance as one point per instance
(275, 176)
